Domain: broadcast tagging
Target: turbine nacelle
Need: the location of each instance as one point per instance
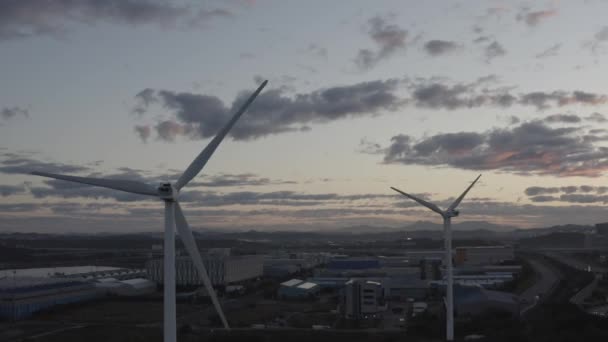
(167, 192)
(452, 213)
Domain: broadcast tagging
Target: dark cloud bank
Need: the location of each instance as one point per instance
(200, 116)
(27, 18)
(527, 149)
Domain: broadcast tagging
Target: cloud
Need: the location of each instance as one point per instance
(244, 179)
(276, 111)
(550, 51)
(442, 94)
(61, 189)
(317, 50)
(563, 118)
(25, 165)
(482, 39)
(596, 117)
(167, 130)
(544, 198)
(542, 100)
(493, 50)
(531, 148)
(389, 39)
(569, 194)
(68, 190)
(598, 40)
(143, 132)
(602, 35)
(533, 18)
(513, 120)
(14, 163)
(10, 190)
(9, 113)
(571, 189)
(494, 13)
(55, 188)
(18, 207)
(440, 47)
(201, 116)
(368, 147)
(27, 18)
(246, 55)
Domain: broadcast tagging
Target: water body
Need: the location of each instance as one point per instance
(52, 271)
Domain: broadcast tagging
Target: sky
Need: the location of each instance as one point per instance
(362, 96)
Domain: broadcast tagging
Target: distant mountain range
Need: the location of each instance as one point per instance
(419, 229)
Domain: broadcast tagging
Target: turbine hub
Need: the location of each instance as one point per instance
(453, 213)
(167, 192)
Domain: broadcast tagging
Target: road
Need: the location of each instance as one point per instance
(574, 262)
(577, 263)
(585, 293)
(547, 280)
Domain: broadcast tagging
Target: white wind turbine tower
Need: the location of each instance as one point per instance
(447, 231)
(174, 216)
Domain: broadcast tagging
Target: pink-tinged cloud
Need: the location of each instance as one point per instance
(532, 148)
(535, 17)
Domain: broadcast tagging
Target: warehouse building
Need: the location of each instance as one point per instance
(127, 288)
(298, 289)
(22, 297)
(222, 270)
(483, 255)
(282, 267)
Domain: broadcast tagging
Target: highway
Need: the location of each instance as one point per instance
(574, 262)
(547, 280)
(577, 263)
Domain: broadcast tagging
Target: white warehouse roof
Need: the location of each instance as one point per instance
(307, 286)
(107, 280)
(139, 283)
(292, 282)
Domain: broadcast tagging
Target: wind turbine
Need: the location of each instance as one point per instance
(174, 216)
(447, 231)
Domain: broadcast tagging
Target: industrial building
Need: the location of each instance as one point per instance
(282, 267)
(414, 257)
(362, 299)
(367, 268)
(430, 268)
(353, 264)
(22, 297)
(127, 288)
(601, 228)
(405, 288)
(281, 264)
(77, 272)
(298, 289)
(222, 270)
(333, 283)
(483, 255)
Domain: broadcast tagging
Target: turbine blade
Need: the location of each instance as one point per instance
(459, 199)
(431, 206)
(134, 187)
(185, 235)
(199, 162)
